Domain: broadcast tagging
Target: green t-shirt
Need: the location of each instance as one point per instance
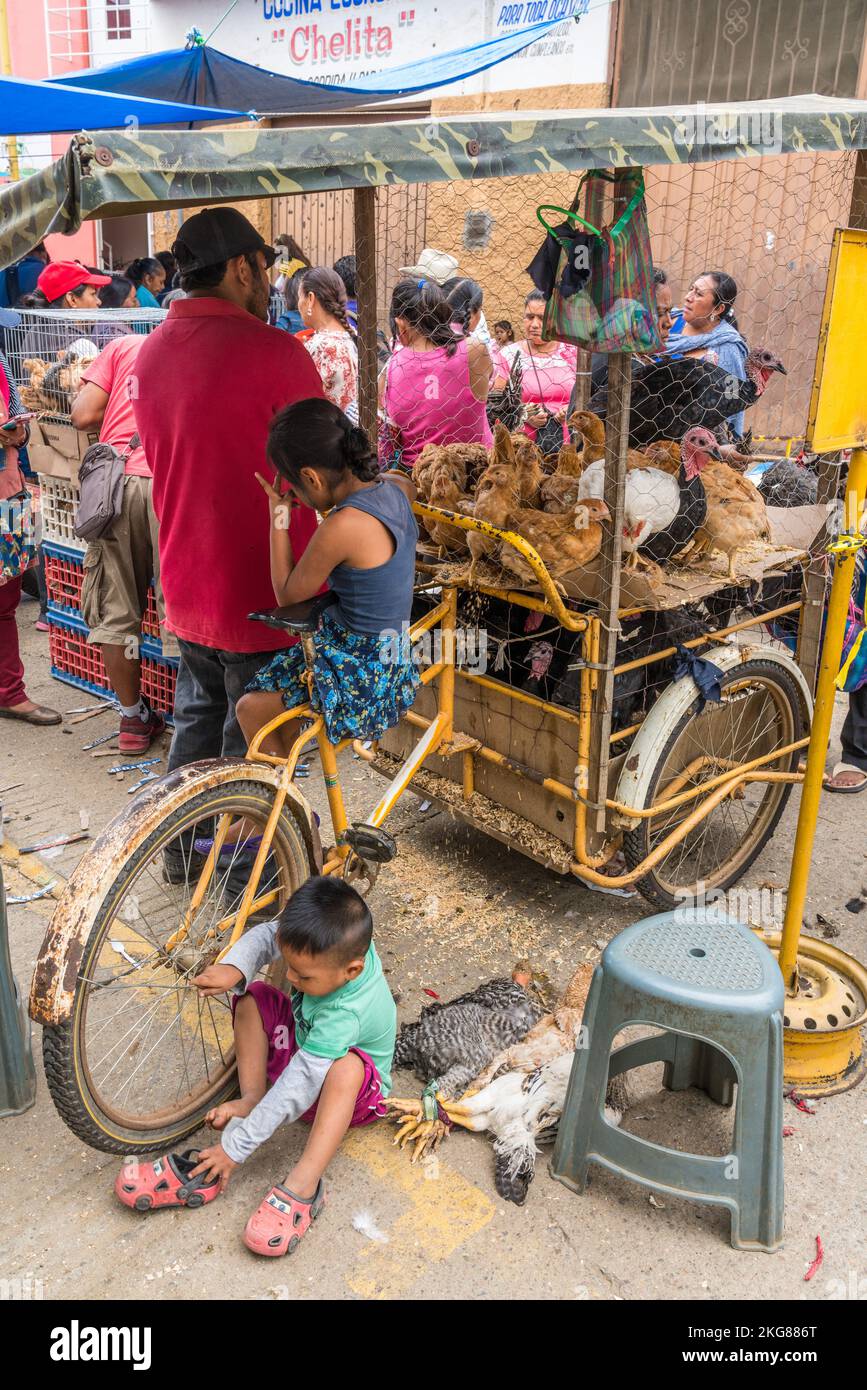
(359, 1014)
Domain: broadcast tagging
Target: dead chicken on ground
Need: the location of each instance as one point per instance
(518, 1097)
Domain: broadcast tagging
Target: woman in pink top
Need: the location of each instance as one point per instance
(14, 703)
(435, 388)
(548, 369)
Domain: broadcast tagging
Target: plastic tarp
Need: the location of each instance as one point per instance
(205, 76)
(36, 108)
(109, 174)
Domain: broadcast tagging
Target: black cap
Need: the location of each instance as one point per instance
(215, 235)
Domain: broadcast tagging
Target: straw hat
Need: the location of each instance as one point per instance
(434, 265)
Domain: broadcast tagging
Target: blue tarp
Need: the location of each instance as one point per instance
(37, 108)
(203, 75)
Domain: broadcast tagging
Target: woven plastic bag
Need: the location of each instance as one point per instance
(615, 310)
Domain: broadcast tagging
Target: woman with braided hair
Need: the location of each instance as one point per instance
(364, 550)
(435, 386)
(323, 307)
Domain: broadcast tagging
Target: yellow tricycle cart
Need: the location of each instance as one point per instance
(664, 789)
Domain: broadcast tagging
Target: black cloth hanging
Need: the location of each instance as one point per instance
(542, 269)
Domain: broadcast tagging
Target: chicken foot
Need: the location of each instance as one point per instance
(417, 1126)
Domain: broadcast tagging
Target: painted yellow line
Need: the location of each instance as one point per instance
(445, 1210)
(32, 867)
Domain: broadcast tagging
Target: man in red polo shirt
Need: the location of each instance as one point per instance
(208, 381)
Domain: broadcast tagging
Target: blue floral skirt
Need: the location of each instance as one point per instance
(358, 686)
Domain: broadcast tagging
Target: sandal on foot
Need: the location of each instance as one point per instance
(846, 791)
(165, 1182)
(279, 1222)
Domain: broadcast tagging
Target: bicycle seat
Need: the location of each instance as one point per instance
(297, 617)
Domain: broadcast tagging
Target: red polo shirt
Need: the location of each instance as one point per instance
(209, 380)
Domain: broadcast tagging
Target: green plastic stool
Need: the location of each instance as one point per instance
(17, 1073)
(716, 990)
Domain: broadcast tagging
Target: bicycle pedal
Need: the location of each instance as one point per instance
(370, 842)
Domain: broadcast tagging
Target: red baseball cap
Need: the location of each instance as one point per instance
(60, 277)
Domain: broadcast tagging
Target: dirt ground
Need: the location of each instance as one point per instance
(453, 908)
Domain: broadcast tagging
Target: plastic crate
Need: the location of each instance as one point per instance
(64, 576)
(76, 662)
(58, 503)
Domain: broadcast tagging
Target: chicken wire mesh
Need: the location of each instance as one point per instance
(48, 350)
(713, 532)
(698, 424)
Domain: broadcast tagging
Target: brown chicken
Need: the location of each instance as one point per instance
(498, 492)
(528, 461)
(736, 514)
(431, 460)
(592, 433)
(664, 454)
(564, 543)
(559, 491)
(444, 492)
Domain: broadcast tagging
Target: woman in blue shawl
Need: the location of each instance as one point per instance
(706, 327)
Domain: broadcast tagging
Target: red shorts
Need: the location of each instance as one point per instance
(275, 1011)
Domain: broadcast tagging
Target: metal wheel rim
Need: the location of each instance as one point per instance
(769, 794)
(195, 1098)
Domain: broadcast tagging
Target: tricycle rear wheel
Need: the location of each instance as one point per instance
(760, 711)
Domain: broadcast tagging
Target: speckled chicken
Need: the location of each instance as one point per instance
(518, 1097)
(451, 1043)
(463, 462)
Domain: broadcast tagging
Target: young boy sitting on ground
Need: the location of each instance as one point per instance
(325, 1049)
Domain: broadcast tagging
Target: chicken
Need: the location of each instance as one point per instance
(518, 1097)
(591, 432)
(563, 543)
(529, 464)
(463, 462)
(661, 513)
(664, 454)
(673, 394)
(561, 490)
(444, 492)
(736, 515)
(497, 493)
(559, 493)
(451, 1043)
(790, 483)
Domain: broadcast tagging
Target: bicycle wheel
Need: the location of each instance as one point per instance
(760, 711)
(143, 1056)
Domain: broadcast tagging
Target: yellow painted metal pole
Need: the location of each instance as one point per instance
(6, 69)
(845, 549)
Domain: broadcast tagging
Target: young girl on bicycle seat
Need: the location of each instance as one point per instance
(363, 679)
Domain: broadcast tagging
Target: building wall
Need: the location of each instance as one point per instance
(516, 233)
(32, 57)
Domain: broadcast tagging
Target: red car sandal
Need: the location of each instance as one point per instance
(279, 1222)
(165, 1182)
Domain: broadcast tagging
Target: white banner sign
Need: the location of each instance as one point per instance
(338, 41)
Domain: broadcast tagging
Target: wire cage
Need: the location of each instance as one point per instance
(48, 351)
(551, 441)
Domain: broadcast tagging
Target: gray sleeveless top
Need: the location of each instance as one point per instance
(379, 599)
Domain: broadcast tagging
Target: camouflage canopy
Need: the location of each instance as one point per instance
(112, 173)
